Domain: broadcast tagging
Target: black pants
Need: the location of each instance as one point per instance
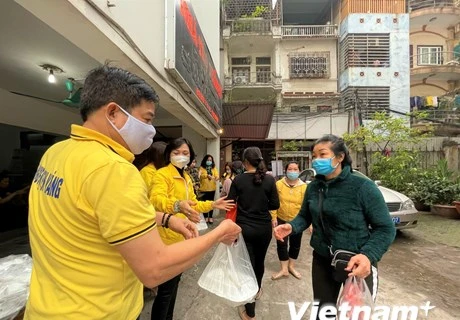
(293, 241)
(163, 306)
(257, 237)
(326, 289)
(208, 195)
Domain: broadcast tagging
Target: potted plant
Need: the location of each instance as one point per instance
(457, 206)
(438, 188)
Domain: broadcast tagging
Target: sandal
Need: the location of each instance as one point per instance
(295, 273)
(259, 294)
(279, 275)
(243, 315)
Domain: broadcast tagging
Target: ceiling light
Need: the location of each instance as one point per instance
(51, 77)
(52, 70)
(220, 131)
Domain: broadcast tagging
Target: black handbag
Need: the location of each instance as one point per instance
(340, 258)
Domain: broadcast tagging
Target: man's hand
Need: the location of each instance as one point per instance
(183, 226)
(282, 231)
(230, 231)
(274, 223)
(360, 266)
(223, 204)
(186, 208)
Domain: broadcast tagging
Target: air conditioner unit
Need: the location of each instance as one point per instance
(240, 79)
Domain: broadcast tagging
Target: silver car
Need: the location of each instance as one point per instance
(402, 209)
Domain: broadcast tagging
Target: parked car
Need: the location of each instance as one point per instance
(402, 209)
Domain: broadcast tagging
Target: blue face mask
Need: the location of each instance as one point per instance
(324, 166)
(292, 175)
(209, 163)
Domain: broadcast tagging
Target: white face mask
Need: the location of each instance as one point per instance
(137, 134)
(180, 161)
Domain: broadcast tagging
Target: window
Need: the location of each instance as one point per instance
(429, 55)
(324, 108)
(241, 61)
(309, 65)
(263, 69)
(241, 70)
(372, 100)
(365, 50)
(301, 109)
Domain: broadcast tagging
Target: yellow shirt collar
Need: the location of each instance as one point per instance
(85, 134)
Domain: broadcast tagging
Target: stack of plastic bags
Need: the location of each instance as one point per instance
(15, 273)
(229, 274)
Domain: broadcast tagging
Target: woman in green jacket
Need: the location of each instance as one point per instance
(350, 205)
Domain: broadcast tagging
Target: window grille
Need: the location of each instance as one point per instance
(365, 50)
(324, 108)
(371, 100)
(301, 109)
(241, 61)
(309, 65)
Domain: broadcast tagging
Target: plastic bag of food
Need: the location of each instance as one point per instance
(357, 295)
(230, 275)
(15, 273)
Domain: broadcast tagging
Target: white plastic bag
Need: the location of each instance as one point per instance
(202, 225)
(15, 273)
(229, 274)
(355, 293)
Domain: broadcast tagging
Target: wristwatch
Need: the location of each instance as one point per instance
(176, 206)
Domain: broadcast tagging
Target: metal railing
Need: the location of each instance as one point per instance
(258, 78)
(372, 6)
(423, 4)
(449, 116)
(324, 31)
(438, 58)
(251, 25)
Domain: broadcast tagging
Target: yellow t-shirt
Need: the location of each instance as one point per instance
(85, 198)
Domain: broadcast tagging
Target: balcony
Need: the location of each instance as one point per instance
(439, 14)
(438, 65)
(259, 86)
(302, 32)
(250, 26)
(372, 6)
(415, 5)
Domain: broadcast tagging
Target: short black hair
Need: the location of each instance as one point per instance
(338, 147)
(175, 144)
(154, 154)
(111, 84)
(203, 162)
(291, 162)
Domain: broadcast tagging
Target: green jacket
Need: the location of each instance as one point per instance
(351, 204)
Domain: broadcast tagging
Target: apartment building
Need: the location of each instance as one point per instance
(293, 70)
(435, 61)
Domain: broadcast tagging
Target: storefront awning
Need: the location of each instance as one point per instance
(247, 121)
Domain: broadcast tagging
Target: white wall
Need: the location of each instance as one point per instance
(310, 128)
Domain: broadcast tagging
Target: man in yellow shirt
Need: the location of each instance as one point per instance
(92, 227)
